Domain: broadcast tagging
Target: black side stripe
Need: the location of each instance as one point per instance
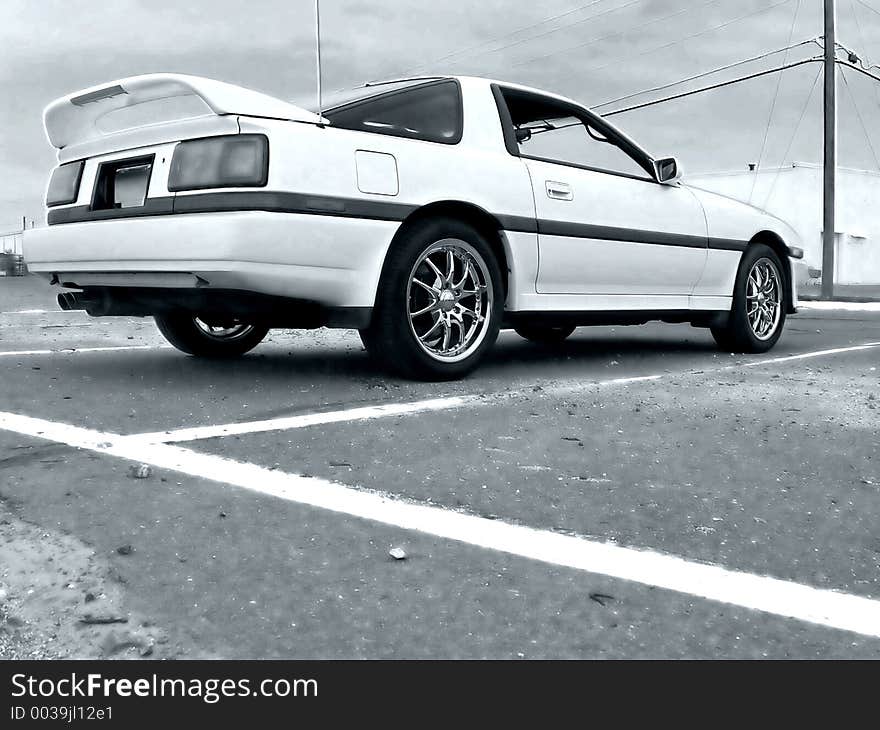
(272, 202)
(728, 244)
(381, 210)
(611, 233)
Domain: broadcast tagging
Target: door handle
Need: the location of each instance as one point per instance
(558, 190)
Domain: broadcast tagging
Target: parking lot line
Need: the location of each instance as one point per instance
(346, 415)
(74, 312)
(309, 419)
(285, 423)
(823, 607)
(78, 350)
(807, 355)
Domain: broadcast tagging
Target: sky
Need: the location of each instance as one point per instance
(592, 50)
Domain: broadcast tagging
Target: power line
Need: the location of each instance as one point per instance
(860, 69)
(864, 44)
(618, 33)
(852, 97)
(504, 36)
(556, 30)
(719, 85)
(703, 74)
(793, 137)
(773, 103)
(864, 4)
(720, 26)
(855, 15)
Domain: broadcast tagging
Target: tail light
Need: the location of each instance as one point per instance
(64, 184)
(240, 160)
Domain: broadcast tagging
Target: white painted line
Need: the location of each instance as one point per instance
(807, 355)
(828, 608)
(71, 312)
(840, 306)
(286, 423)
(309, 419)
(78, 350)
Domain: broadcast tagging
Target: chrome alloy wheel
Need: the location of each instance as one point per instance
(763, 298)
(449, 300)
(232, 330)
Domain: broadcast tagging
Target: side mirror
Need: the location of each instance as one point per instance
(523, 134)
(668, 170)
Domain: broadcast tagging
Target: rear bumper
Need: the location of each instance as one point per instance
(330, 260)
(271, 311)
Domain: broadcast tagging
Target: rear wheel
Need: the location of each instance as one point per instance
(545, 334)
(439, 302)
(209, 336)
(758, 312)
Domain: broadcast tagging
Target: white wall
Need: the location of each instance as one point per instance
(795, 195)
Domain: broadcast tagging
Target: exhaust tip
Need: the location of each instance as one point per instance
(69, 301)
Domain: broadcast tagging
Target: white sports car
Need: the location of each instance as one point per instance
(427, 213)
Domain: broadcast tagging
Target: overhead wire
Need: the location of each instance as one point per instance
(618, 33)
(859, 115)
(703, 74)
(467, 52)
(568, 26)
(869, 7)
(719, 85)
(773, 103)
(503, 36)
(864, 45)
(663, 46)
(793, 137)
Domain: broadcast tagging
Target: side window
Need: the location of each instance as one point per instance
(547, 129)
(431, 112)
(571, 141)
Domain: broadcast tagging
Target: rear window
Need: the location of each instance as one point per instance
(431, 112)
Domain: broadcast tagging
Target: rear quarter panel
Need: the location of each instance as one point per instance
(478, 170)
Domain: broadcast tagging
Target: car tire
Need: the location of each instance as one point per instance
(194, 336)
(432, 322)
(545, 334)
(757, 315)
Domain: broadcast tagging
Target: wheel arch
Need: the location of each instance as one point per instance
(774, 241)
(487, 224)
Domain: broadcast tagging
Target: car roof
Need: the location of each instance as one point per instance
(402, 82)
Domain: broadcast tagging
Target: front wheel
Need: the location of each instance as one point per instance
(205, 336)
(439, 302)
(758, 312)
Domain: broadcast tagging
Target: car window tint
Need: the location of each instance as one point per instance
(569, 140)
(431, 112)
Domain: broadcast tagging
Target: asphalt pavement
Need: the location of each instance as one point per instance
(632, 493)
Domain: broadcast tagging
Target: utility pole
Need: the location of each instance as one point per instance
(829, 171)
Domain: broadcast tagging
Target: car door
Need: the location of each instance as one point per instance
(605, 226)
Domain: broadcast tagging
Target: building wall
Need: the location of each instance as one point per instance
(795, 195)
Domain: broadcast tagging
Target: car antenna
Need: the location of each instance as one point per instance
(318, 52)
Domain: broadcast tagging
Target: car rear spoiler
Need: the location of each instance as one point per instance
(74, 119)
